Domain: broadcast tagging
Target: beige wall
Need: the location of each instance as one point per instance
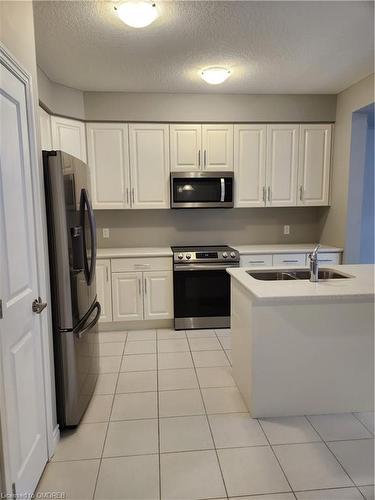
(182, 227)
(209, 107)
(355, 97)
(60, 100)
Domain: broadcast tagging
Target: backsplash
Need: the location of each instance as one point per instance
(138, 228)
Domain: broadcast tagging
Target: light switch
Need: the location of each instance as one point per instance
(105, 232)
(286, 229)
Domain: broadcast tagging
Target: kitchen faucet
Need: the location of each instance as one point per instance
(314, 264)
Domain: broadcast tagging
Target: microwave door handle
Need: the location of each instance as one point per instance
(222, 189)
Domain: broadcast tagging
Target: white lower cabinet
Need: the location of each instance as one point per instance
(103, 289)
(127, 296)
(142, 289)
(158, 294)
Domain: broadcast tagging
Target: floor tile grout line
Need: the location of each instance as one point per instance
(363, 425)
(158, 412)
(208, 423)
(108, 424)
(225, 350)
(276, 457)
(331, 452)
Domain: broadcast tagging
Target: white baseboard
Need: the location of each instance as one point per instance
(55, 441)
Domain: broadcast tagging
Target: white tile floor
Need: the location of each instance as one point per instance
(168, 423)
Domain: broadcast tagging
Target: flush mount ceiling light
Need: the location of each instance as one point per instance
(215, 75)
(137, 13)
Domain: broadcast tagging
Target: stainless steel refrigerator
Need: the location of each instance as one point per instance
(75, 309)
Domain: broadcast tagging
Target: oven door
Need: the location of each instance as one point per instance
(201, 296)
(202, 190)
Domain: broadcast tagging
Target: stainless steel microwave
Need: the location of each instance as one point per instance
(202, 190)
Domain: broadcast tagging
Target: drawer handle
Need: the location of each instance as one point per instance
(290, 261)
(142, 266)
(325, 260)
(256, 261)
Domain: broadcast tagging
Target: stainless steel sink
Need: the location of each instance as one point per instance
(295, 274)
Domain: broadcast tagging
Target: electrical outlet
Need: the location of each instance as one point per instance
(286, 229)
(105, 232)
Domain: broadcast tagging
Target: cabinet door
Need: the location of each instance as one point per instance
(217, 143)
(103, 289)
(45, 130)
(282, 164)
(314, 164)
(108, 159)
(69, 136)
(250, 165)
(127, 301)
(185, 147)
(158, 294)
(149, 165)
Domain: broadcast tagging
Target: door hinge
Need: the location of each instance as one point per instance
(14, 493)
(1, 309)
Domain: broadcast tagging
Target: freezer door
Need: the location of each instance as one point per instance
(78, 367)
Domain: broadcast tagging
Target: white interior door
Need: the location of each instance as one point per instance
(158, 294)
(108, 159)
(250, 165)
(314, 164)
(149, 165)
(127, 296)
(282, 165)
(186, 145)
(22, 403)
(217, 143)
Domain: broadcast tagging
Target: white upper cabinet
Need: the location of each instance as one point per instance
(69, 136)
(149, 165)
(185, 147)
(314, 164)
(282, 165)
(45, 130)
(217, 148)
(250, 165)
(108, 159)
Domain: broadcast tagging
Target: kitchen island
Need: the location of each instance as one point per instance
(300, 347)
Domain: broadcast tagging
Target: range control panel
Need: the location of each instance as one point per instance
(205, 254)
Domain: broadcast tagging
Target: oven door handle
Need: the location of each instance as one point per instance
(222, 189)
(204, 267)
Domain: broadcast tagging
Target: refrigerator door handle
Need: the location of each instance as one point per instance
(80, 333)
(85, 204)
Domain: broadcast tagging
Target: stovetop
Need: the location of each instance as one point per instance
(206, 253)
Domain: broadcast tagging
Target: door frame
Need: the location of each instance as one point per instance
(51, 427)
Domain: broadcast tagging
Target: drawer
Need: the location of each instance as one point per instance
(256, 260)
(289, 259)
(327, 258)
(142, 264)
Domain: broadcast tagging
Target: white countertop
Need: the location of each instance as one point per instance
(360, 285)
(284, 248)
(113, 253)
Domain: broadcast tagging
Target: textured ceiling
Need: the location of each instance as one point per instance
(271, 47)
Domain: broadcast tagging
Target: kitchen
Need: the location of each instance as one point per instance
(194, 185)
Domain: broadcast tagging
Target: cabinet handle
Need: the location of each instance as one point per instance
(127, 196)
(301, 193)
(199, 158)
(204, 159)
(145, 286)
(287, 261)
(133, 195)
(139, 287)
(264, 194)
(256, 262)
(107, 274)
(269, 194)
